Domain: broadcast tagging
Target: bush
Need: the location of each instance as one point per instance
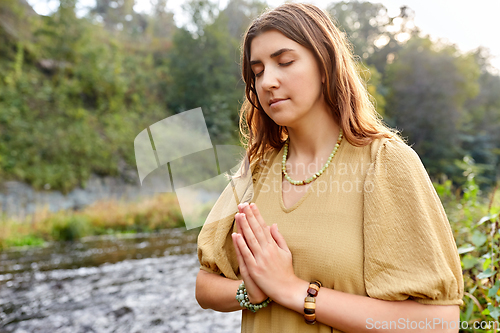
(70, 228)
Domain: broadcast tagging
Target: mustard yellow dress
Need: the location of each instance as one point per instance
(371, 225)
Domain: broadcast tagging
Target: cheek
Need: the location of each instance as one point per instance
(261, 97)
(309, 82)
(308, 88)
(260, 94)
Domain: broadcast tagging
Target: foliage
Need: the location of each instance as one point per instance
(73, 106)
(480, 132)
(104, 217)
(204, 68)
(374, 35)
(475, 221)
(429, 86)
(372, 79)
(445, 102)
(28, 240)
(363, 22)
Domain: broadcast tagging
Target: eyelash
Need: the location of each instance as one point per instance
(284, 64)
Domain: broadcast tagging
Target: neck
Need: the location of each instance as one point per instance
(313, 139)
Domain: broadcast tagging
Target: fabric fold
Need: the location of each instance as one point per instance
(410, 252)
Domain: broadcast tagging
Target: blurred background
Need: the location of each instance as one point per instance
(84, 249)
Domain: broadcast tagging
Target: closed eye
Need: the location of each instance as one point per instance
(280, 64)
(286, 63)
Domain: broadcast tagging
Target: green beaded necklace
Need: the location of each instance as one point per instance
(317, 174)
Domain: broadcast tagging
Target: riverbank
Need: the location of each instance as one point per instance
(143, 282)
(159, 212)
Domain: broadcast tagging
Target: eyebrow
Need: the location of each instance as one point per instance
(275, 54)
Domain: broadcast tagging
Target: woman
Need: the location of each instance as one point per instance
(338, 198)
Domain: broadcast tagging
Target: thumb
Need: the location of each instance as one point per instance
(278, 237)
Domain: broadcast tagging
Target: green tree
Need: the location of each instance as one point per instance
(480, 126)
(429, 85)
(239, 15)
(72, 105)
(204, 72)
(372, 79)
(363, 22)
(162, 22)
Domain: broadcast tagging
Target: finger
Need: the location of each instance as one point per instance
(245, 252)
(241, 260)
(263, 224)
(250, 240)
(278, 237)
(240, 207)
(238, 218)
(257, 228)
(240, 210)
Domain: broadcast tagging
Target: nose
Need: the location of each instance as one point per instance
(270, 79)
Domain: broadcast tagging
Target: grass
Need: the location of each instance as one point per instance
(104, 217)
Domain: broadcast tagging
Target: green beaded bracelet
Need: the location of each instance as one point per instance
(242, 298)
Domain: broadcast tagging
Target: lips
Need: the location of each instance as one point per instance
(275, 100)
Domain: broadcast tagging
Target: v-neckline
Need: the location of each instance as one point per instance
(312, 186)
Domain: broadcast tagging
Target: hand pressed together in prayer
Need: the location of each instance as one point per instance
(263, 256)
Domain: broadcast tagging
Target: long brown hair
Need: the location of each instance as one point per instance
(344, 91)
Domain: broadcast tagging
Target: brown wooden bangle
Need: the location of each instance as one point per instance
(316, 282)
(312, 292)
(310, 302)
(310, 299)
(309, 306)
(309, 311)
(310, 317)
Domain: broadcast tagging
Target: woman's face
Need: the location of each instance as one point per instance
(287, 79)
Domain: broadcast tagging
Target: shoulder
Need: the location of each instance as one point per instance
(395, 153)
(255, 166)
(396, 164)
(266, 159)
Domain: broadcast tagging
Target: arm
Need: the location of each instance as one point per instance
(270, 265)
(216, 292)
(354, 313)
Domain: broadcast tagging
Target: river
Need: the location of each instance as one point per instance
(129, 283)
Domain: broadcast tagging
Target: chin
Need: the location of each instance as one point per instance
(283, 122)
(282, 117)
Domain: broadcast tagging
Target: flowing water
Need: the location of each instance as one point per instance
(133, 283)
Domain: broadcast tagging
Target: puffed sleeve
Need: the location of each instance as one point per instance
(410, 252)
(216, 252)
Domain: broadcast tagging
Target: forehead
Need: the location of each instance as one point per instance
(263, 45)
